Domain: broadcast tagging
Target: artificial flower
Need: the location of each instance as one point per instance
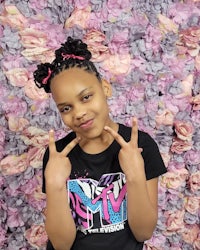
(95, 41)
(17, 76)
(194, 181)
(35, 156)
(149, 51)
(13, 164)
(117, 64)
(175, 180)
(184, 130)
(189, 38)
(12, 17)
(166, 24)
(36, 236)
(17, 123)
(196, 102)
(192, 204)
(179, 146)
(78, 17)
(166, 117)
(34, 93)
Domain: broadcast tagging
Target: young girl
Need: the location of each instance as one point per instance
(101, 179)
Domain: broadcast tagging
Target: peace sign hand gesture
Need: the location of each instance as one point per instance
(58, 168)
(130, 158)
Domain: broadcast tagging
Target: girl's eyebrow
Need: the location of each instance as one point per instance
(79, 94)
(84, 90)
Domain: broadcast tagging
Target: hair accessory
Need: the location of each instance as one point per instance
(68, 56)
(45, 80)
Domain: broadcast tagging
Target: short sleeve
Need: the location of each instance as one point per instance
(45, 160)
(154, 165)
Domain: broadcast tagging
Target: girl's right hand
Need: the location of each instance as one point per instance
(58, 167)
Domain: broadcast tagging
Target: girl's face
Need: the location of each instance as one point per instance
(81, 100)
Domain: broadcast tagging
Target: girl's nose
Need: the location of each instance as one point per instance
(79, 113)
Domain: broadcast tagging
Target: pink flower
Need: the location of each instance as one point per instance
(33, 38)
(35, 156)
(17, 76)
(179, 146)
(186, 86)
(33, 92)
(184, 130)
(95, 39)
(17, 123)
(119, 4)
(191, 234)
(39, 54)
(167, 25)
(14, 218)
(166, 158)
(119, 42)
(166, 117)
(189, 38)
(192, 204)
(153, 38)
(196, 102)
(37, 199)
(35, 136)
(12, 17)
(174, 221)
(78, 17)
(34, 4)
(117, 64)
(175, 180)
(2, 236)
(2, 136)
(197, 62)
(13, 164)
(194, 181)
(36, 236)
(155, 243)
(197, 242)
(14, 106)
(81, 4)
(176, 65)
(192, 157)
(181, 12)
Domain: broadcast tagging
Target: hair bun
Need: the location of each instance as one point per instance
(73, 47)
(42, 75)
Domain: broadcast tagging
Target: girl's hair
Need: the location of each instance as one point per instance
(72, 53)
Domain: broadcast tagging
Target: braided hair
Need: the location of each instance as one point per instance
(72, 53)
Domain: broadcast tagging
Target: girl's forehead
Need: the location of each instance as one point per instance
(75, 74)
(74, 81)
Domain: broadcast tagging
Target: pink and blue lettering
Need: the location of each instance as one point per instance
(99, 207)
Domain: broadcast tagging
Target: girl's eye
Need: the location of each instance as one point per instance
(87, 97)
(65, 109)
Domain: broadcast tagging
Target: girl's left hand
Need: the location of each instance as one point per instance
(130, 158)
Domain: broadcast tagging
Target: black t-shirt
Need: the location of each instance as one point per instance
(97, 193)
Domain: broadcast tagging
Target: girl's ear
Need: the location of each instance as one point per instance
(107, 88)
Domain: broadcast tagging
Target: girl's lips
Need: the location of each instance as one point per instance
(87, 124)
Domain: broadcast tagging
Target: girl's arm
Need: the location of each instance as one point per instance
(142, 195)
(59, 223)
(142, 206)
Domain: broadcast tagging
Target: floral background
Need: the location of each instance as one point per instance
(149, 51)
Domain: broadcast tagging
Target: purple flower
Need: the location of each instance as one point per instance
(3, 237)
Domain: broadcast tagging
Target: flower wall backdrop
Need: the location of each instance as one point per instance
(149, 50)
